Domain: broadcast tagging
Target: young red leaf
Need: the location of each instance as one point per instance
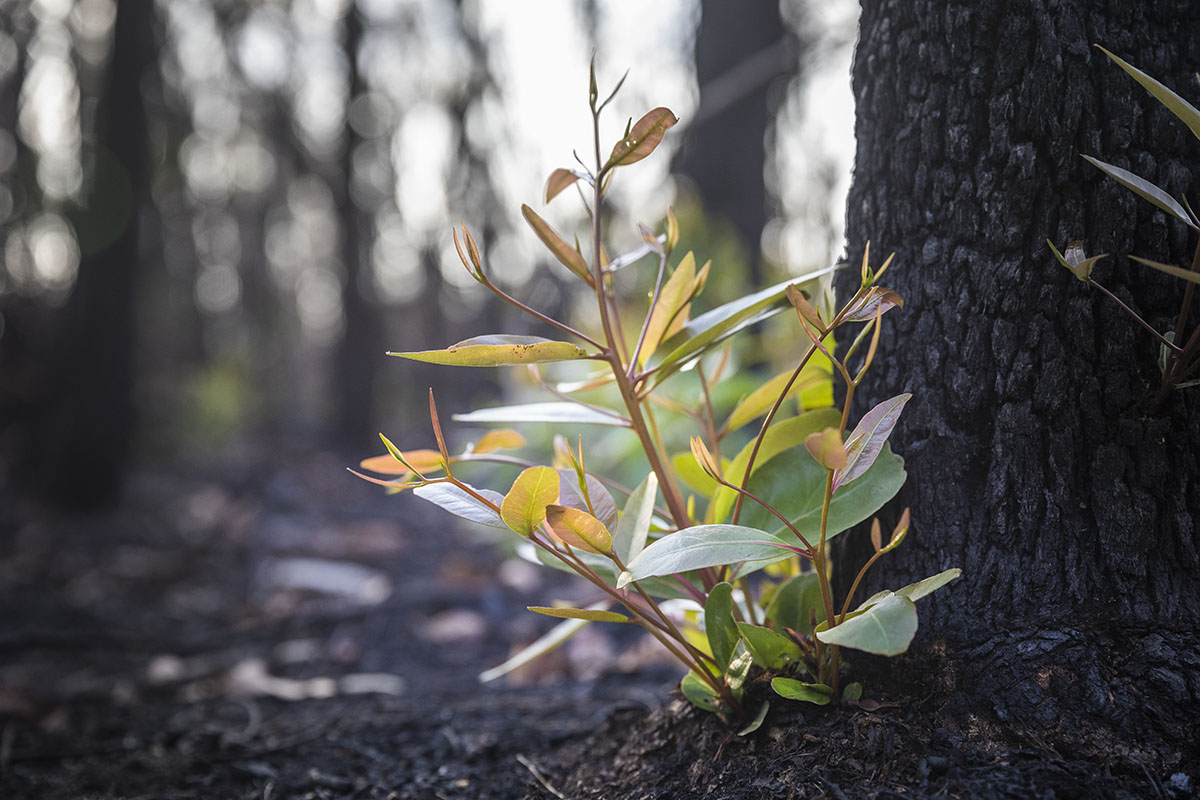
(579, 529)
(559, 179)
(642, 138)
(868, 438)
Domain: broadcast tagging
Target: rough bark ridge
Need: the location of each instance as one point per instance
(1032, 463)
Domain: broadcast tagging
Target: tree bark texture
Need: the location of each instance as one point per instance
(1033, 463)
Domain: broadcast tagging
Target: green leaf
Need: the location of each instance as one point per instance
(629, 539)
(853, 691)
(455, 500)
(794, 484)
(915, 591)
(739, 668)
(1144, 189)
(1178, 272)
(693, 475)
(700, 694)
(642, 138)
(564, 412)
(498, 350)
(867, 439)
(759, 402)
(524, 507)
(793, 600)
(579, 529)
(886, 628)
(567, 255)
(589, 614)
(771, 650)
(719, 624)
(552, 639)
(816, 693)
(704, 546)
(1175, 104)
(757, 722)
(711, 328)
(781, 436)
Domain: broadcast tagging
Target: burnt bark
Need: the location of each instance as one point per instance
(1033, 462)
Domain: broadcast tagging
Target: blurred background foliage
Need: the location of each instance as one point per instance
(216, 216)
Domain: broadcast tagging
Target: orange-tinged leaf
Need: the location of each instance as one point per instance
(559, 179)
(524, 506)
(567, 255)
(670, 311)
(827, 448)
(579, 529)
(499, 439)
(497, 350)
(421, 460)
(642, 138)
(803, 307)
(590, 614)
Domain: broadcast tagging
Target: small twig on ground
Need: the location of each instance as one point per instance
(537, 773)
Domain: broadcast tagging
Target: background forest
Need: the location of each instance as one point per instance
(216, 216)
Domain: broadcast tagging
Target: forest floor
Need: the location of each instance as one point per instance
(288, 632)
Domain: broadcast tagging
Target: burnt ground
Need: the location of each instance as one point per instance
(277, 632)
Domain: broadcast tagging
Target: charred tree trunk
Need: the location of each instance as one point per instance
(1032, 461)
(90, 424)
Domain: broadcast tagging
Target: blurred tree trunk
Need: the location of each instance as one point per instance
(360, 351)
(740, 49)
(90, 424)
(1033, 464)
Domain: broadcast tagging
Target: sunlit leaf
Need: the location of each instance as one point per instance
(1181, 108)
(793, 601)
(876, 301)
(629, 538)
(604, 507)
(421, 460)
(564, 412)
(709, 329)
(589, 614)
(705, 546)
(1178, 272)
(780, 437)
(759, 402)
(771, 650)
(673, 299)
(524, 507)
(499, 350)
(816, 693)
(499, 439)
(458, 502)
(794, 484)
(642, 138)
(719, 624)
(885, 628)
(866, 441)
(567, 255)
(1144, 189)
(559, 179)
(739, 667)
(579, 529)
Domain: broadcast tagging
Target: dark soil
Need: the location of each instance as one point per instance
(288, 632)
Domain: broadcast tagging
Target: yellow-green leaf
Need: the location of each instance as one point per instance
(524, 506)
(827, 448)
(567, 255)
(589, 614)
(1181, 108)
(579, 529)
(499, 350)
(642, 138)
(1144, 189)
(500, 439)
(758, 402)
(671, 311)
(1178, 272)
